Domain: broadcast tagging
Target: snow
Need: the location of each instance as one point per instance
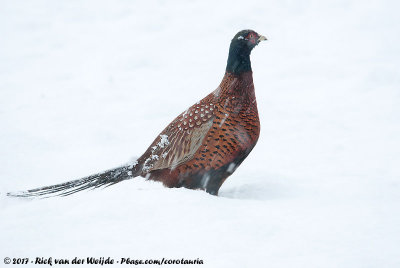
(163, 141)
(132, 162)
(86, 85)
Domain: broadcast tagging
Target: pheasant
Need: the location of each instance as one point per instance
(201, 147)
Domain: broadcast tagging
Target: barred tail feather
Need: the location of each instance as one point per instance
(106, 178)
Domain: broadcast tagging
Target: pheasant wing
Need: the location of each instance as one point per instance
(181, 139)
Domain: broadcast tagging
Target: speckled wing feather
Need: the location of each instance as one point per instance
(179, 142)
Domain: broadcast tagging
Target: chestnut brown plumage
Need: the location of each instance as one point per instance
(202, 146)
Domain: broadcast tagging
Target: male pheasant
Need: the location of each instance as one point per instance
(202, 146)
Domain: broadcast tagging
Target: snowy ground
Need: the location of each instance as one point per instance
(85, 86)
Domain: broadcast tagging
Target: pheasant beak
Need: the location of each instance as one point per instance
(262, 38)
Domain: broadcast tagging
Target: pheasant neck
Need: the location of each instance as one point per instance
(238, 60)
(238, 85)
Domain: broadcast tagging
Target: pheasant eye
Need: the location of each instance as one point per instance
(252, 38)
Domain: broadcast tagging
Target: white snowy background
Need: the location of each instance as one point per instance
(86, 85)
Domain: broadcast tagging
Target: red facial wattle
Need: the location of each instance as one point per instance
(252, 38)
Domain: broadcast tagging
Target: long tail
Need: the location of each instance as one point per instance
(106, 178)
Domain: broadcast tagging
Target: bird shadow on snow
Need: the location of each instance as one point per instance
(260, 188)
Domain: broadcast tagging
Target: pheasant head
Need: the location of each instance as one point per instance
(239, 52)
